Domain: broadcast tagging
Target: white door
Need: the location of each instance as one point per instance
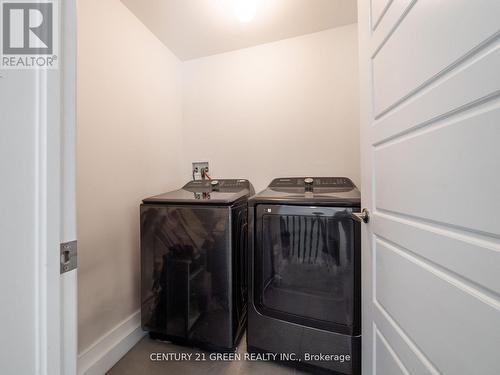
(37, 212)
(430, 82)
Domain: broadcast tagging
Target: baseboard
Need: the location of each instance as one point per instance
(112, 346)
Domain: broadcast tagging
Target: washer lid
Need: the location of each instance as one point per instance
(311, 190)
(203, 192)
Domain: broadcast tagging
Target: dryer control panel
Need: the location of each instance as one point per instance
(320, 182)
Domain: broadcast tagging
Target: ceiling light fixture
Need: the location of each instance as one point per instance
(245, 10)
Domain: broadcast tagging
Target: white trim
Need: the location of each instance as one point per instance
(68, 281)
(111, 347)
(41, 222)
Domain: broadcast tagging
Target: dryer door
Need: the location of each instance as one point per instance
(306, 266)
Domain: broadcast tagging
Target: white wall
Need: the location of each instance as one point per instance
(288, 108)
(128, 146)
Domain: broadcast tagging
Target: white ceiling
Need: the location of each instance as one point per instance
(196, 28)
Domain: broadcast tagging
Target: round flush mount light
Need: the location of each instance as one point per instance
(245, 10)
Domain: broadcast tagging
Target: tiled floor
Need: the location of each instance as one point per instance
(137, 361)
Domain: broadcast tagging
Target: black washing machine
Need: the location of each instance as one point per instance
(194, 264)
(304, 265)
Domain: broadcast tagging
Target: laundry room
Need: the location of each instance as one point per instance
(217, 91)
(249, 187)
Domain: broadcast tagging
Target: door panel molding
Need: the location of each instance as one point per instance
(408, 352)
(430, 51)
(434, 103)
(389, 23)
(435, 312)
(471, 258)
(378, 9)
(387, 357)
(440, 272)
(445, 172)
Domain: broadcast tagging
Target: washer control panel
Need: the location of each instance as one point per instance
(220, 185)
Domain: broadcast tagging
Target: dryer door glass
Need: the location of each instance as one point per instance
(305, 265)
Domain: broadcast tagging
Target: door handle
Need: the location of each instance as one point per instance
(361, 217)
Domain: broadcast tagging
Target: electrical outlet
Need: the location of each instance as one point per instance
(199, 170)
